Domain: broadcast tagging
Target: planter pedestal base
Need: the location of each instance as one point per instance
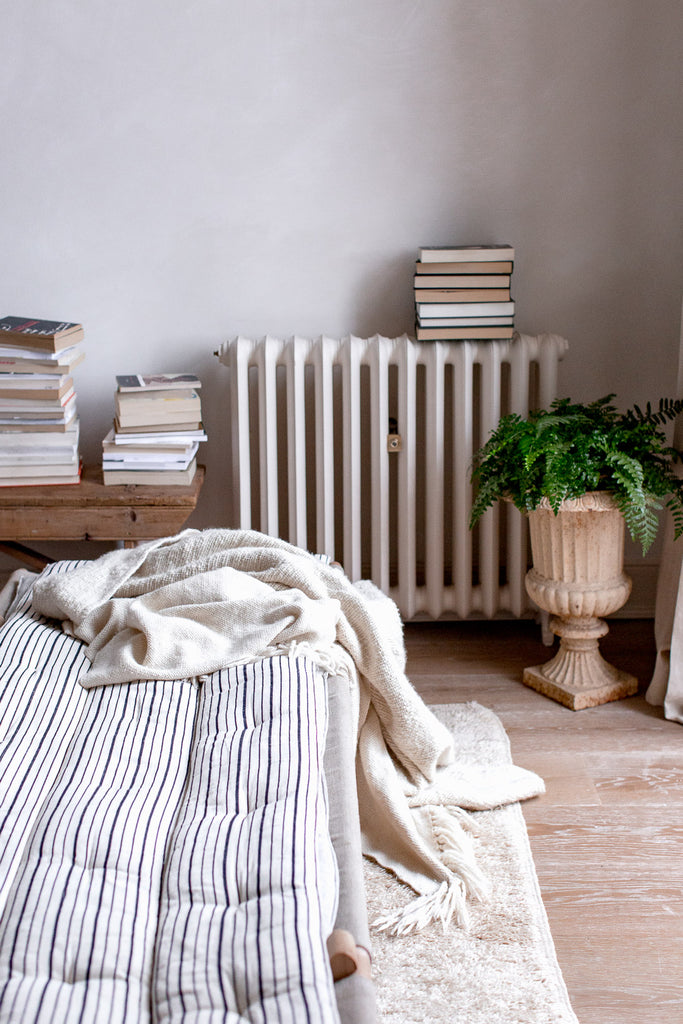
(578, 676)
(578, 576)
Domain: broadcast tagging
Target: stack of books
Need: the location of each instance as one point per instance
(462, 292)
(157, 430)
(39, 425)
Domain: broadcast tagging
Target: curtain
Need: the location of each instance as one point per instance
(666, 685)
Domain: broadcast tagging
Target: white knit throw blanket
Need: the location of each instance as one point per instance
(189, 605)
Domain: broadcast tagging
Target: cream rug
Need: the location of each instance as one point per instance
(504, 970)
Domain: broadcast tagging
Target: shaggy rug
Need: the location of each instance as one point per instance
(504, 969)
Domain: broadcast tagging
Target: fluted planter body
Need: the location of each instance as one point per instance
(578, 576)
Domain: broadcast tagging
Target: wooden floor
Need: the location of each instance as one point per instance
(607, 837)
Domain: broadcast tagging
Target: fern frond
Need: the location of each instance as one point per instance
(675, 506)
(570, 448)
(667, 410)
(642, 519)
(628, 474)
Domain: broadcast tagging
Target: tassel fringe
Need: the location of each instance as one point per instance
(449, 901)
(456, 851)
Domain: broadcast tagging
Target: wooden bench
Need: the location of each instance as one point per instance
(90, 510)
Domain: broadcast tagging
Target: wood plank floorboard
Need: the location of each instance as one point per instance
(607, 836)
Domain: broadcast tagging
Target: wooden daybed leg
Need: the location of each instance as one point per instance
(346, 957)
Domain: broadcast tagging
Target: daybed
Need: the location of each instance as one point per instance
(179, 808)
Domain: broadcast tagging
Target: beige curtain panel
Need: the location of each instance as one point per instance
(666, 686)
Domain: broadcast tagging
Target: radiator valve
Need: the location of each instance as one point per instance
(394, 439)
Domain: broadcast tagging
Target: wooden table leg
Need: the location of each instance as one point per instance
(32, 558)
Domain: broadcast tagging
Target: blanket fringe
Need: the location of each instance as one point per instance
(449, 900)
(456, 850)
(442, 905)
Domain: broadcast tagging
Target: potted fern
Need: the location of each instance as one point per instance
(582, 472)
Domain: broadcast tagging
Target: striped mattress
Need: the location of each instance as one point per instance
(165, 852)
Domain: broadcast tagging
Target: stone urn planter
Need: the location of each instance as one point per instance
(578, 577)
(583, 473)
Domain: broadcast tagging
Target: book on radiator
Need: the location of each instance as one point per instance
(468, 321)
(428, 310)
(462, 281)
(462, 295)
(44, 335)
(463, 333)
(454, 306)
(465, 253)
(482, 267)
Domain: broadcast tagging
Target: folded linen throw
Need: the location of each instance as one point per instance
(188, 605)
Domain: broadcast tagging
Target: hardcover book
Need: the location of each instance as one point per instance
(465, 267)
(462, 280)
(465, 253)
(428, 310)
(464, 333)
(462, 294)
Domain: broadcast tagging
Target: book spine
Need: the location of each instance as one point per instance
(464, 333)
(433, 309)
(469, 254)
(462, 295)
(462, 280)
(483, 267)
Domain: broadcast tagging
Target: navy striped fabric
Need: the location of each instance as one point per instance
(164, 851)
(250, 876)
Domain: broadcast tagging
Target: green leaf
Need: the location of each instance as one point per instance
(570, 448)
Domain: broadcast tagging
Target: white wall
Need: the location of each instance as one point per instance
(176, 172)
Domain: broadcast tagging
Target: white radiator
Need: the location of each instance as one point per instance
(360, 449)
